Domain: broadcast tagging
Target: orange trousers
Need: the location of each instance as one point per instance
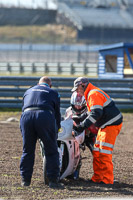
(102, 154)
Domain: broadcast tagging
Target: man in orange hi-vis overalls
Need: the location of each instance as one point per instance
(104, 114)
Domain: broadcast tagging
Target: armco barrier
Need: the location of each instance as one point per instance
(13, 88)
(89, 69)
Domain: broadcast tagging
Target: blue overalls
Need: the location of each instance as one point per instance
(42, 122)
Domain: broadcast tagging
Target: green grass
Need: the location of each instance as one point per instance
(10, 110)
(126, 110)
(45, 74)
(37, 34)
(18, 110)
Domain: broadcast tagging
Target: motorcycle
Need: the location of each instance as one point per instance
(70, 146)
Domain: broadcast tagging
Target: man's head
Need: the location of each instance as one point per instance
(45, 79)
(80, 84)
(78, 103)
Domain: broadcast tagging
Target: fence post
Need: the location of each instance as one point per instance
(85, 69)
(9, 67)
(79, 54)
(59, 68)
(46, 68)
(33, 68)
(72, 68)
(21, 68)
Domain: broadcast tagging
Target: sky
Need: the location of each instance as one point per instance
(29, 3)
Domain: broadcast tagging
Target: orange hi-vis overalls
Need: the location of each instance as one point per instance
(105, 115)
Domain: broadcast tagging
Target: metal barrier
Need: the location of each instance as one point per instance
(50, 68)
(13, 88)
(48, 53)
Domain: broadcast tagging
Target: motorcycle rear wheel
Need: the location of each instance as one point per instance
(44, 171)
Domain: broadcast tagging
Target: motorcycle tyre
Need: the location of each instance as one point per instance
(44, 171)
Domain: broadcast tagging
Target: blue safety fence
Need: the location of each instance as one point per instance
(12, 89)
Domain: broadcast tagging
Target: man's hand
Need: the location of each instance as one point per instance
(78, 128)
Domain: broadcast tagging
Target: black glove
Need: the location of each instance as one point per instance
(78, 128)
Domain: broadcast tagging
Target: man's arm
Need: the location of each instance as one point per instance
(94, 115)
(57, 112)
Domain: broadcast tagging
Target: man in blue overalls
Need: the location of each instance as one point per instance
(40, 119)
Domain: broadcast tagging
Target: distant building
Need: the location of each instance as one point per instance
(99, 21)
(96, 21)
(30, 4)
(23, 12)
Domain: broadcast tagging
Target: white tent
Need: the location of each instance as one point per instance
(44, 4)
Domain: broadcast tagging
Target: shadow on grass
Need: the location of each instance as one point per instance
(84, 185)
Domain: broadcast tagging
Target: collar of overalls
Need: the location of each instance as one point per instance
(44, 84)
(87, 90)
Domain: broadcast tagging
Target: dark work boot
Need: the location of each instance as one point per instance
(54, 183)
(25, 183)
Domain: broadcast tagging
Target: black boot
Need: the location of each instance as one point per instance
(55, 184)
(25, 183)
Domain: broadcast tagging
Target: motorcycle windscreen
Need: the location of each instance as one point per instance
(65, 132)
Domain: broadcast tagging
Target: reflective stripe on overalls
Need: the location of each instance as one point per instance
(102, 154)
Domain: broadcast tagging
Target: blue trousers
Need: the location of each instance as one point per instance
(34, 125)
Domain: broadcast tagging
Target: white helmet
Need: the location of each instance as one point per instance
(78, 103)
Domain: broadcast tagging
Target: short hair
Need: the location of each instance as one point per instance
(45, 79)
